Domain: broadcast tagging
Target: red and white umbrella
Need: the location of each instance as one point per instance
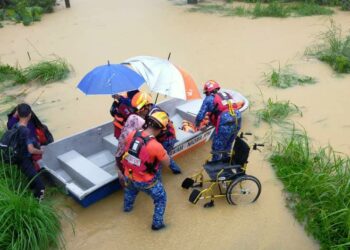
(165, 78)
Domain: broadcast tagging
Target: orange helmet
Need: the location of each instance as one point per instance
(160, 118)
(140, 100)
(210, 86)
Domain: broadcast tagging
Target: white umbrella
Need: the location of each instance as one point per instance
(165, 78)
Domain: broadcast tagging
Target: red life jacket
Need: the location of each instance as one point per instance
(40, 135)
(120, 112)
(221, 100)
(137, 160)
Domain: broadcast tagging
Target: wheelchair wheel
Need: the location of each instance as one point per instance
(194, 196)
(243, 190)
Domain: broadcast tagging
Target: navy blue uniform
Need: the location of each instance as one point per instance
(227, 127)
(25, 162)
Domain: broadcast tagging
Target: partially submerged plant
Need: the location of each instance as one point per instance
(47, 71)
(318, 188)
(308, 9)
(25, 223)
(269, 9)
(333, 49)
(11, 74)
(25, 11)
(277, 111)
(285, 77)
(273, 9)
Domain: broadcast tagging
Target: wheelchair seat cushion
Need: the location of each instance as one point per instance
(213, 168)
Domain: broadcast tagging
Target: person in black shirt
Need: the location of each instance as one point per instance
(27, 148)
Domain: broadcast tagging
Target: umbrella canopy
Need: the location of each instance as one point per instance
(110, 79)
(165, 78)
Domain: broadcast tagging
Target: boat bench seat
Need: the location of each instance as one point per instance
(83, 167)
(110, 142)
(190, 108)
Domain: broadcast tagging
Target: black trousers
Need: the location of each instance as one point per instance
(27, 168)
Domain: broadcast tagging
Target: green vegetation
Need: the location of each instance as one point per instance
(47, 71)
(25, 11)
(285, 77)
(276, 111)
(271, 9)
(11, 74)
(318, 186)
(333, 49)
(345, 4)
(308, 9)
(25, 223)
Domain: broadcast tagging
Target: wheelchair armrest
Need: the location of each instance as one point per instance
(231, 167)
(221, 152)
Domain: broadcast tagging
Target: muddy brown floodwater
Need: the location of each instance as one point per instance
(234, 51)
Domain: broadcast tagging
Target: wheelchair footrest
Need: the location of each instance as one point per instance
(187, 183)
(194, 196)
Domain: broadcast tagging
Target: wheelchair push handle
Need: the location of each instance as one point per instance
(257, 145)
(242, 134)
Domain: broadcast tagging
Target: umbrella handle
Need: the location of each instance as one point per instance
(155, 102)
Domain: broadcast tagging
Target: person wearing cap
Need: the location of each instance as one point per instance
(142, 158)
(142, 103)
(223, 115)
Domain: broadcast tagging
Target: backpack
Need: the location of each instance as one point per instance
(9, 146)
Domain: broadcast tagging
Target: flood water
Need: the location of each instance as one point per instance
(235, 52)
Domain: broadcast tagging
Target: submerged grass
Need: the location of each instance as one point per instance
(10, 74)
(318, 184)
(44, 72)
(271, 9)
(285, 77)
(25, 223)
(277, 111)
(47, 71)
(333, 48)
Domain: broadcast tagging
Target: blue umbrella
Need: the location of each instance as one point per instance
(110, 79)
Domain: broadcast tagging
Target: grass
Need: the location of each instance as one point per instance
(277, 111)
(285, 77)
(44, 72)
(25, 223)
(25, 11)
(11, 74)
(271, 9)
(309, 9)
(318, 187)
(47, 71)
(333, 48)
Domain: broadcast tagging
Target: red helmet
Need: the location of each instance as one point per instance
(210, 86)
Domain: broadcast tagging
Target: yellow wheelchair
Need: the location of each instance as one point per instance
(227, 176)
